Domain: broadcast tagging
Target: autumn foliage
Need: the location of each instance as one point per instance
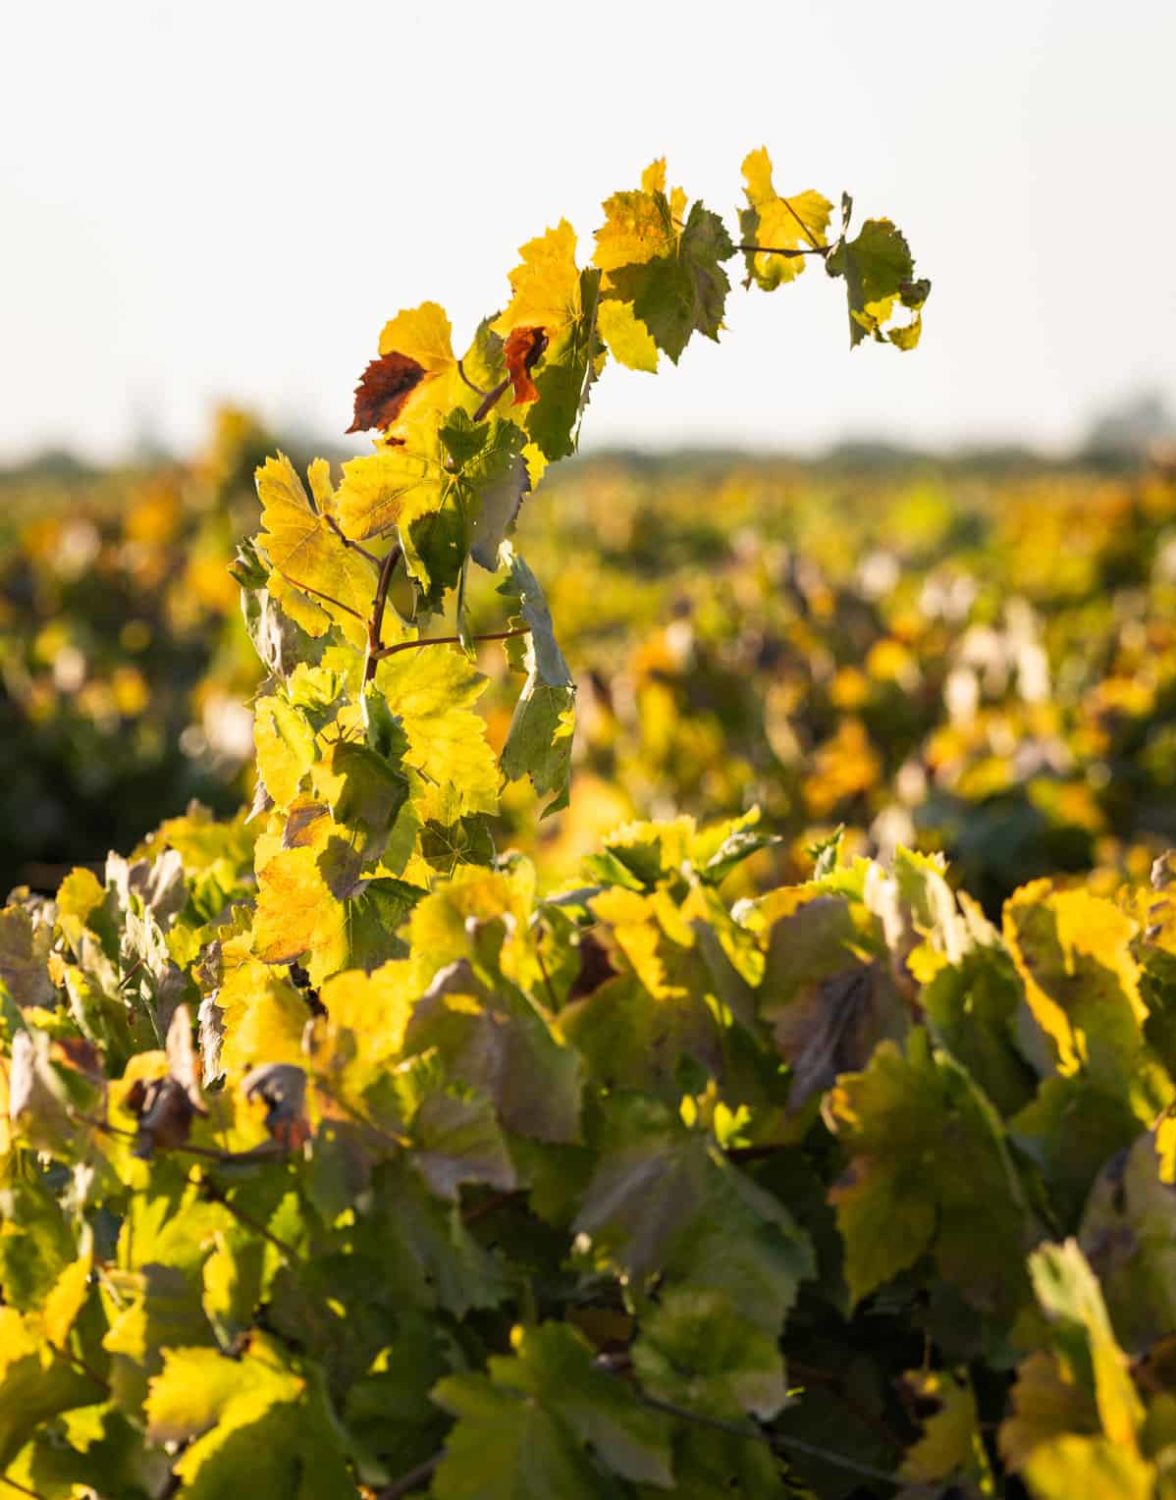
(343, 1156)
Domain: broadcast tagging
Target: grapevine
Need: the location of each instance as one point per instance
(339, 1158)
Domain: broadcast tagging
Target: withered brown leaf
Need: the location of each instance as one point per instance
(282, 1089)
(383, 389)
(165, 1107)
(523, 351)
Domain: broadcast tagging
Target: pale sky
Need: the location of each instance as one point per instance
(227, 200)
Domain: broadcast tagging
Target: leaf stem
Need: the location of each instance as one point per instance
(477, 389)
(489, 1206)
(215, 1195)
(21, 1489)
(413, 1480)
(347, 542)
(330, 599)
(492, 399)
(778, 1442)
(264, 1152)
(379, 602)
(80, 1365)
(813, 249)
(805, 230)
(446, 640)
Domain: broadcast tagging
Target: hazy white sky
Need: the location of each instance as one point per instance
(227, 199)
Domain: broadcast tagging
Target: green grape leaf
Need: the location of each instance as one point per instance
(35, 1383)
(973, 1007)
(552, 1364)
(494, 1040)
(537, 1417)
(696, 1352)
(685, 291)
(364, 791)
(661, 1202)
(715, 1465)
(908, 1122)
(1128, 1234)
(498, 481)
(506, 1447)
(879, 273)
(1070, 1129)
(388, 1408)
(539, 743)
(246, 1423)
(432, 1259)
(457, 1140)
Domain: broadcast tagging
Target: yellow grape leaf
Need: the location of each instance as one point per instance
(653, 180)
(639, 925)
(296, 911)
(306, 554)
(1082, 983)
(35, 1385)
(545, 286)
(951, 1443)
(626, 337)
(440, 931)
(197, 1387)
(1072, 1301)
(796, 223)
(387, 491)
(245, 1425)
(285, 746)
(367, 1015)
(18, 1339)
(299, 916)
(66, 1298)
(423, 334)
(24, 954)
(302, 609)
(431, 691)
(264, 1015)
(1047, 1402)
(639, 226)
(1088, 1468)
(664, 263)
(80, 893)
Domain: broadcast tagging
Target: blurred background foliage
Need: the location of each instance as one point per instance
(975, 655)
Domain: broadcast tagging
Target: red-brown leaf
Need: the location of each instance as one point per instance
(383, 389)
(524, 348)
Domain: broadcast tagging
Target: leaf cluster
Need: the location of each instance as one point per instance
(340, 1157)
